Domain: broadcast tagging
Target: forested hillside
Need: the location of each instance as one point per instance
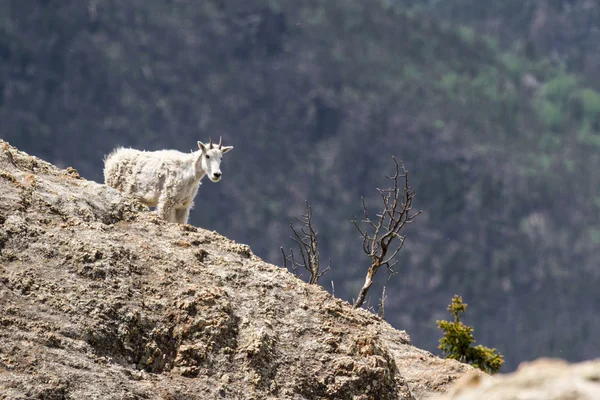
(565, 31)
(316, 97)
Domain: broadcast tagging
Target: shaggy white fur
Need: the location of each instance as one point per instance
(165, 179)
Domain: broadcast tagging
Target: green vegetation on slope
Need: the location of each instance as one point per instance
(566, 31)
(315, 97)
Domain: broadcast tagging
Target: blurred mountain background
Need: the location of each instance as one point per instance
(494, 107)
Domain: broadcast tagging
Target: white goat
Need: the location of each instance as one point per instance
(165, 179)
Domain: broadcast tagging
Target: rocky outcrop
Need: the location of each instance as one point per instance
(101, 299)
(543, 379)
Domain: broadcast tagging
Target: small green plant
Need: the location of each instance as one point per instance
(457, 340)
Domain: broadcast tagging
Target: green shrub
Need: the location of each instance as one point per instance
(586, 135)
(466, 34)
(559, 88)
(412, 72)
(450, 81)
(590, 100)
(513, 64)
(491, 43)
(487, 83)
(549, 113)
(457, 340)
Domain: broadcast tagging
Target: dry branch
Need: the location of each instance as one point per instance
(307, 241)
(381, 239)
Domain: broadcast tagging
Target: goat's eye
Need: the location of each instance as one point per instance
(207, 156)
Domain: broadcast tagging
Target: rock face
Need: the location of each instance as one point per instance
(543, 379)
(101, 299)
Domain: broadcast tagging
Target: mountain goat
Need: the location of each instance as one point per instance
(165, 179)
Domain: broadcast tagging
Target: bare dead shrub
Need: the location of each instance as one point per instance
(381, 239)
(307, 241)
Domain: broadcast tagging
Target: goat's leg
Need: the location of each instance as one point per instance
(182, 215)
(166, 210)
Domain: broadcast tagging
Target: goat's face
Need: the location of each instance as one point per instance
(211, 156)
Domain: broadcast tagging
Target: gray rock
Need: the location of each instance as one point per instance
(543, 379)
(101, 299)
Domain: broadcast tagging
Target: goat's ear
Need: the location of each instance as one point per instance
(225, 149)
(202, 146)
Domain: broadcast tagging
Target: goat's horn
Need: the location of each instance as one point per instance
(220, 142)
(210, 143)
